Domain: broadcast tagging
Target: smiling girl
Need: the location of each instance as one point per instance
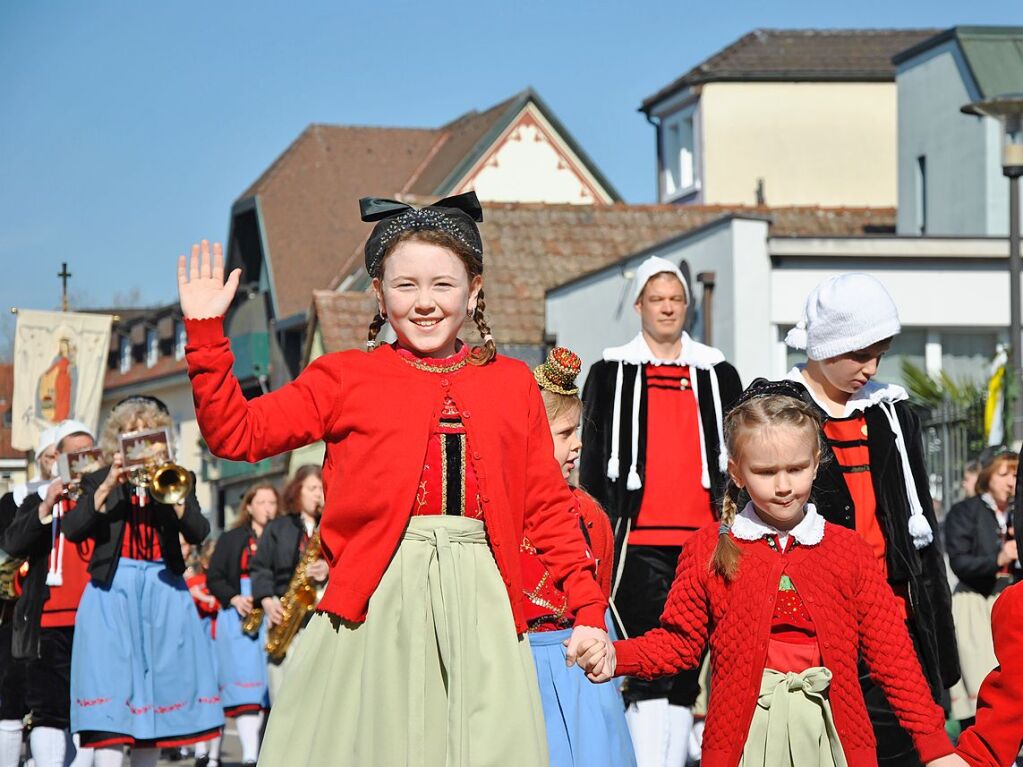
(873, 479)
(786, 602)
(438, 461)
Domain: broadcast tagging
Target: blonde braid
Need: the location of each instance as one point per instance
(482, 355)
(725, 560)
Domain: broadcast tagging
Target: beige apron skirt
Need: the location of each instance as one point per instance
(435, 677)
(972, 615)
(792, 725)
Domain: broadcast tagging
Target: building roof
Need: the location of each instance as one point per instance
(800, 55)
(308, 198)
(133, 325)
(530, 248)
(7, 450)
(993, 54)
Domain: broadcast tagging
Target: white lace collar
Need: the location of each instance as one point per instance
(750, 527)
(873, 393)
(637, 352)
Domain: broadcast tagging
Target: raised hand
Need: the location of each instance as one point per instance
(201, 286)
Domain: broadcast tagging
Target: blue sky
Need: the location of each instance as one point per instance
(128, 128)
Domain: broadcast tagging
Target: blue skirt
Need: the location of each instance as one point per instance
(585, 721)
(142, 669)
(241, 661)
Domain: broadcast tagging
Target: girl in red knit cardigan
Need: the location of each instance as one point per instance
(787, 603)
(438, 461)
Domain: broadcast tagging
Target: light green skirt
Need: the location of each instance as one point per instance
(792, 725)
(435, 677)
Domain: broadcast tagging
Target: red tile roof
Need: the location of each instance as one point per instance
(531, 248)
(851, 55)
(309, 196)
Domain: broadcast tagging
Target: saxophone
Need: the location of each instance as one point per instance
(298, 602)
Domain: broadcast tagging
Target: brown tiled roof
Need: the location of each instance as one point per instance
(309, 200)
(343, 318)
(456, 140)
(309, 195)
(531, 248)
(6, 396)
(802, 55)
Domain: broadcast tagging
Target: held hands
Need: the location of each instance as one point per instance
(592, 650)
(201, 286)
(242, 604)
(951, 760)
(272, 610)
(318, 570)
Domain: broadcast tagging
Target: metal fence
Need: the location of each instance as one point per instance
(953, 434)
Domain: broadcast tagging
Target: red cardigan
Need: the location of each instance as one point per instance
(997, 736)
(853, 610)
(376, 413)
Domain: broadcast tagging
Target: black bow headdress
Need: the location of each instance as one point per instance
(762, 387)
(456, 216)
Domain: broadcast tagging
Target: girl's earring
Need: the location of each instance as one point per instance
(469, 311)
(383, 315)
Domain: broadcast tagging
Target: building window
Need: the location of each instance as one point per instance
(180, 339)
(921, 194)
(680, 162)
(125, 354)
(152, 347)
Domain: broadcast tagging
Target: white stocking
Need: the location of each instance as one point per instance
(10, 742)
(49, 746)
(660, 733)
(248, 733)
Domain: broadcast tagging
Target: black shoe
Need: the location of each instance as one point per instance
(202, 761)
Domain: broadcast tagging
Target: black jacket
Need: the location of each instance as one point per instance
(275, 561)
(107, 528)
(598, 405)
(224, 575)
(920, 571)
(27, 538)
(974, 540)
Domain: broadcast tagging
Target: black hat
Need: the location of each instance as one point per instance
(456, 216)
(761, 387)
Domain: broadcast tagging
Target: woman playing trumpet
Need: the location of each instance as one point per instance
(141, 672)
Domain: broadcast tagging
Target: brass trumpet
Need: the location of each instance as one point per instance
(166, 482)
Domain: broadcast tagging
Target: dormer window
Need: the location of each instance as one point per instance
(152, 347)
(681, 170)
(125, 352)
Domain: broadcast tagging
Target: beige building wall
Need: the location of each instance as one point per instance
(811, 143)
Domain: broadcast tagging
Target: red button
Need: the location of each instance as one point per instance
(476, 456)
(445, 382)
(466, 414)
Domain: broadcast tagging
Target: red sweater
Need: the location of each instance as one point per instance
(997, 736)
(853, 609)
(376, 413)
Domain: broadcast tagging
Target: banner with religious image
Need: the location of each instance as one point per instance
(60, 359)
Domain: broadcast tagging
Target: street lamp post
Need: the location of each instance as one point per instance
(1008, 110)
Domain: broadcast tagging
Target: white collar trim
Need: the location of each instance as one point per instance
(873, 393)
(637, 352)
(750, 527)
